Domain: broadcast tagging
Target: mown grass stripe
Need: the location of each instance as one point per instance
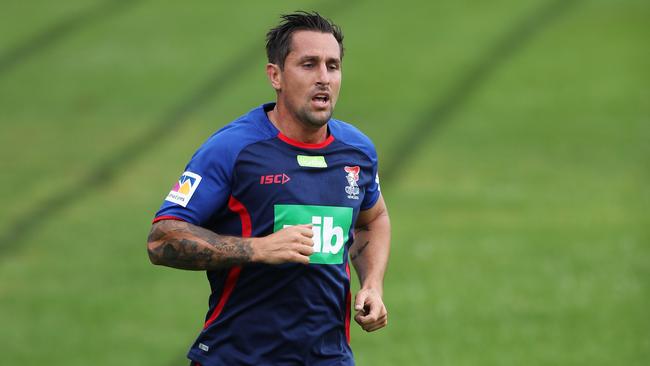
(504, 48)
(59, 30)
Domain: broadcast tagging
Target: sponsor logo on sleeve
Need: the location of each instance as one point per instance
(184, 189)
(330, 226)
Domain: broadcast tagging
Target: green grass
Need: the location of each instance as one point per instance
(520, 225)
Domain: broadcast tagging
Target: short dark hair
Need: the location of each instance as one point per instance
(278, 39)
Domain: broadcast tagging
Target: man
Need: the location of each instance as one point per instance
(268, 206)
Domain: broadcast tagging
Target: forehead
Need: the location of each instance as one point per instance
(311, 43)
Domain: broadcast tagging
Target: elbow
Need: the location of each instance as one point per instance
(161, 244)
(154, 258)
(154, 253)
(154, 245)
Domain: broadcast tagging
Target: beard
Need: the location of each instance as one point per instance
(314, 118)
(304, 112)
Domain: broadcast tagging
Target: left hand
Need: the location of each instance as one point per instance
(371, 312)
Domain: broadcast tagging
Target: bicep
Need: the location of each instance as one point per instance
(368, 216)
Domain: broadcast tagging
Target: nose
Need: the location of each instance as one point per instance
(323, 75)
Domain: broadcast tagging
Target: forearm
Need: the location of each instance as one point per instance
(182, 245)
(370, 250)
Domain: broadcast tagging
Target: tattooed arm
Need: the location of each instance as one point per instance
(182, 245)
(369, 255)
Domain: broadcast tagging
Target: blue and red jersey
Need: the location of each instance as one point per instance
(250, 180)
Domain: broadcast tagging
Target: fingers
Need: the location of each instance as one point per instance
(299, 243)
(375, 326)
(299, 258)
(291, 244)
(370, 324)
(371, 312)
(305, 249)
(305, 242)
(298, 252)
(305, 230)
(302, 234)
(360, 300)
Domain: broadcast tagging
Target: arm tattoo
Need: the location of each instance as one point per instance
(359, 251)
(182, 245)
(361, 229)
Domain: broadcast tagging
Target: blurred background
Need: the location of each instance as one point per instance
(514, 145)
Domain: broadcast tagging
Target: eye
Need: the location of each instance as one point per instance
(308, 65)
(333, 66)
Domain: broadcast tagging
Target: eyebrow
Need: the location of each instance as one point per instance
(317, 58)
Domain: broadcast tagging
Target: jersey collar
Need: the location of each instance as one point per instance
(286, 139)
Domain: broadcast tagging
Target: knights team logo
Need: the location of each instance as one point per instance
(352, 189)
(184, 189)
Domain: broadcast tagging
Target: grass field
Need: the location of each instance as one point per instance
(514, 138)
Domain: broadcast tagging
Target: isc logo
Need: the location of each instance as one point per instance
(274, 179)
(324, 234)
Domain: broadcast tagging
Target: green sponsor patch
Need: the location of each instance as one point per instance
(312, 161)
(331, 226)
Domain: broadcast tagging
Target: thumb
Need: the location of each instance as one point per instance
(360, 300)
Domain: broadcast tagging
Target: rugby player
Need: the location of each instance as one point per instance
(272, 206)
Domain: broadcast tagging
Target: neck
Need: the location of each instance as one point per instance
(295, 129)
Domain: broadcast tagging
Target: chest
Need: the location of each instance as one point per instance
(274, 173)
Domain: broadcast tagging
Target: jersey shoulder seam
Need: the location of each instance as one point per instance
(363, 139)
(358, 149)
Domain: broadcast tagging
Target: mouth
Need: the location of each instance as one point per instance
(321, 100)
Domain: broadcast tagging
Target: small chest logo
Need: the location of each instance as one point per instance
(352, 189)
(274, 179)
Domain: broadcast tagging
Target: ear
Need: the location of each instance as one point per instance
(274, 74)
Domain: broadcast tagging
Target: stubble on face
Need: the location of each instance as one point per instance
(311, 118)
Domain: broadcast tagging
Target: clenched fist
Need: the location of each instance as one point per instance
(291, 244)
(371, 311)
